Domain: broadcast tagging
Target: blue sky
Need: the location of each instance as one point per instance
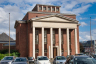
(84, 9)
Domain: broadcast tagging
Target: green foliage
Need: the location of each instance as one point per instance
(4, 53)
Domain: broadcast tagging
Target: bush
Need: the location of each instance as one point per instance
(4, 53)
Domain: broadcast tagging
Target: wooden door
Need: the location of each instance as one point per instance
(54, 52)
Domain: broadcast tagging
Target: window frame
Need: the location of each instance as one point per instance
(44, 8)
(36, 42)
(40, 8)
(53, 8)
(49, 9)
(45, 36)
(54, 37)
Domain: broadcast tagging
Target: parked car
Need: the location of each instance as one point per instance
(7, 60)
(21, 60)
(94, 56)
(79, 54)
(81, 60)
(59, 60)
(42, 60)
(31, 59)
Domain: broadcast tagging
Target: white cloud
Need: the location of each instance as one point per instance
(18, 8)
(82, 18)
(87, 1)
(83, 24)
(83, 36)
(94, 19)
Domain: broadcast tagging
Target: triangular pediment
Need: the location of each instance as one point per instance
(55, 18)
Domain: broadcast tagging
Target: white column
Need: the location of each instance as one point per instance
(55, 9)
(42, 8)
(51, 8)
(42, 41)
(38, 8)
(68, 50)
(34, 42)
(47, 8)
(59, 9)
(59, 41)
(76, 46)
(51, 38)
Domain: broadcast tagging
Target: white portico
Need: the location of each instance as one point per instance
(59, 23)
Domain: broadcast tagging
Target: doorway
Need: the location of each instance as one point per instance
(54, 52)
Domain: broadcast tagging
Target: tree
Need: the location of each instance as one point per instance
(81, 48)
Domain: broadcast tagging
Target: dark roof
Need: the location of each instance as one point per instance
(5, 37)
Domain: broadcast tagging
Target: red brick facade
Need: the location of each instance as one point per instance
(24, 37)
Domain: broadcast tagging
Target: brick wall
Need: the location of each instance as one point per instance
(72, 42)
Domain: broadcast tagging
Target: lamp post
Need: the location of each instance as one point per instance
(9, 34)
(91, 37)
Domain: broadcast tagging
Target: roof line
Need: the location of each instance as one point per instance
(50, 13)
(48, 5)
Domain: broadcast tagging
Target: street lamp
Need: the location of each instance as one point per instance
(91, 37)
(9, 34)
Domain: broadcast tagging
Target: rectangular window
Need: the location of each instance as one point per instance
(53, 9)
(57, 9)
(37, 37)
(62, 50)
(44, 8)
(62, 37)
(45, 51)
(49, 8)
(36, 51)
(70, 37)
(45, 37)
(53, 36)
(40, 8)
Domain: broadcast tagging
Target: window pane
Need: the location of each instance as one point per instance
(45, 37)
(49, 8)
(53, 9)
(40, 8)
(36, 37)
(57, 9)
(44, 8)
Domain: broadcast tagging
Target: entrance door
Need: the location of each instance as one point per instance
(54, 52)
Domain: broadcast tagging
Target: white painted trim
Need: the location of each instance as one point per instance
(59, 41)
(34, 42)
(42, 41)
(68, 50)
(76, 46)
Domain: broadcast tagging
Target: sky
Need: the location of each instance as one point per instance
(84, 9)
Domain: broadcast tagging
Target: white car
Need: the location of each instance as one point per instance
(59, 60)
(42, 60)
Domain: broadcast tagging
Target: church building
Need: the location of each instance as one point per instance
(45, 31)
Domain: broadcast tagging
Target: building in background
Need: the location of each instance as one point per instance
(45, 31)
(87, 46)
(4, 42)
